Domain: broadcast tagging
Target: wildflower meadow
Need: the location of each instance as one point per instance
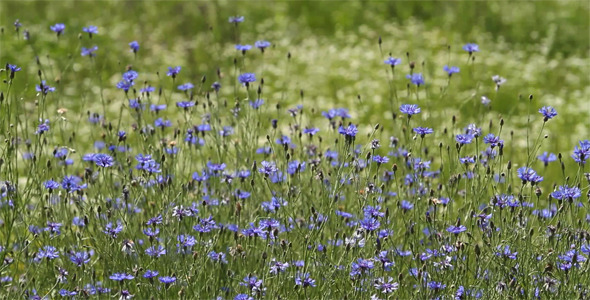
(294, 150)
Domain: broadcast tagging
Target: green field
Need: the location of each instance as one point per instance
(322, 55)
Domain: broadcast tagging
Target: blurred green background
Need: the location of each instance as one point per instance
(540, 47)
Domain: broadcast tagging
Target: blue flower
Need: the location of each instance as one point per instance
(464, 139)
(71, 183)
(81, 258)
(505, 252)
(416, 78)
(311, 131)
(456, 229)
(471, 48)
(13, 69)
(155, 251)
(125, 85)
(246, 78)
(473, 130)
(173, 71)
(422, 131)
(44, 88)
(262, 45)
(253, 284)
(217, 257)
(409, 109)
(451, 70)
(392, 61)
(150, 274)
(43, 126)
(58, 28)
(361, 266)
(121, 277)
(581, 152)
(380, 159)
(185, 104)
(148, 89)
(185, 87)
(134, 46)
(51, 185)
(406, 205)
(548, 112)
(103, 160)
(336, 112)
(243, 48)
(256, 103)
(528, 175)
(48, 252)
(113, 230)
(216, 86)
(90, 30)
(268, 168)
(567, 193)
(437, 286)
(493, 140)
(236, 19)
(350, 131)
(546, 158)
(304, 280)
(386, 286)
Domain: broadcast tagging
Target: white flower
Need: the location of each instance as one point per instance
(498, 80)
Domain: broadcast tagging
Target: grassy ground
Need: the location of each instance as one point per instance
(323, 55)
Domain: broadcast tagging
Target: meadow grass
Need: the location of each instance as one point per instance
(412, 150)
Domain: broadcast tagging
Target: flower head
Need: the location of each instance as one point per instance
(90, 30)
(304, 280)
(380, 159)
(464, 139)
(422, 131)
(581, 152)
(409, 109)
(565, 192)
(262, 45)
(167, 279)
(451, 70)
(246, 78)
(548, 112)
(243, 48)
(45, 89)
(471, 48)
(173, 71)
(498, 81)
(58, 28)
(392, 61)
(134, 46)
(103, 160)
(89, 51)
(416, 78)
(185, 87)
(546, 158)
(528, 175)
(236, 19)
(121, 276)
(349, 131)
(456, 229)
